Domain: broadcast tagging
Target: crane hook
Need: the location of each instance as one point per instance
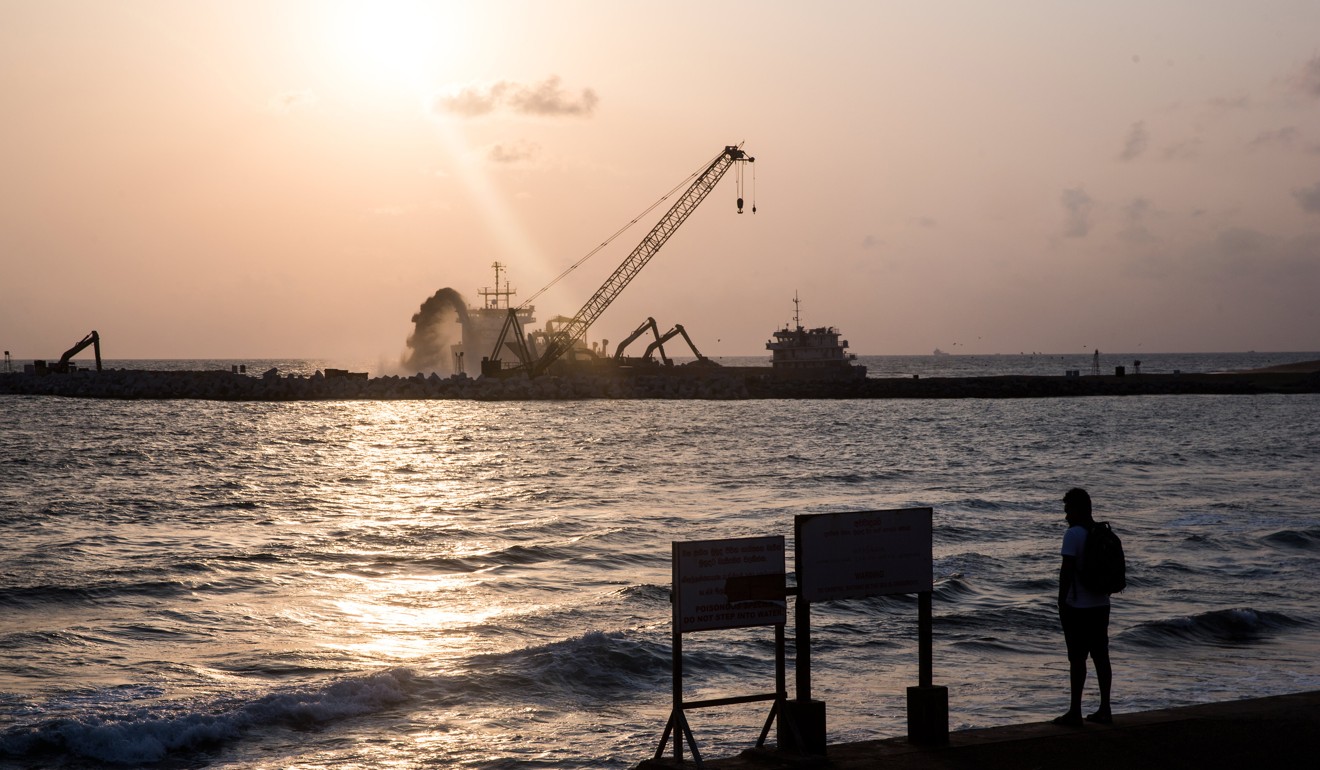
(740, 205)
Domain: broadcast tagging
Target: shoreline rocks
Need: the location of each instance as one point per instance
(707, 384)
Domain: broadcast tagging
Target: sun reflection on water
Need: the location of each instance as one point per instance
(409, 618)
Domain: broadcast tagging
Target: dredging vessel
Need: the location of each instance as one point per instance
(482, 323)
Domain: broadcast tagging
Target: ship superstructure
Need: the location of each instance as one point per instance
(816, 353)
(482, 325)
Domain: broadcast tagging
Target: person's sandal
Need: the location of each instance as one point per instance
(1071, 719)
(1101, 718)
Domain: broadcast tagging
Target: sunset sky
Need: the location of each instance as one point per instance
(237, 179)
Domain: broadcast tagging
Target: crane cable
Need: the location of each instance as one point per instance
(621, 230)
(753, 188)
(739, 180)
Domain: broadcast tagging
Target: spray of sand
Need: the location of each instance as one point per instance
(437, 327)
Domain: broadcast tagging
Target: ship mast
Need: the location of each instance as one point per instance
(493, 297)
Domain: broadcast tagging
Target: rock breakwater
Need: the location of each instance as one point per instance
(712, 384)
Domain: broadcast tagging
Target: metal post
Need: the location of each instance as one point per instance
(781, 675)
(802, 621)
(925, 640)
(679, 722)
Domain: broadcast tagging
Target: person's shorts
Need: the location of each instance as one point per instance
(1085, 630)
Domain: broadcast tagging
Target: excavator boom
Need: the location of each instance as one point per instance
(93, 339)
(649, 323)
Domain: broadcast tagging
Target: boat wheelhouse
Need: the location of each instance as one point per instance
(811, 353)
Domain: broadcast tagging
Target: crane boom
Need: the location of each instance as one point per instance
(562, 340)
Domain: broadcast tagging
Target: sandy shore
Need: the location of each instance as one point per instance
(1275, 732)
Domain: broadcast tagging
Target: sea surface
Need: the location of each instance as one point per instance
(485, 585)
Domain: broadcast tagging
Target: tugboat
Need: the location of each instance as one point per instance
(811, 354)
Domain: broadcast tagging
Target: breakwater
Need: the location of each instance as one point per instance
(681, 383)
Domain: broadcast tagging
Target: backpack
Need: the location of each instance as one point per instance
(1103, 568)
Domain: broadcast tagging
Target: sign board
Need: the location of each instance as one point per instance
(867, 553)
(728, 583)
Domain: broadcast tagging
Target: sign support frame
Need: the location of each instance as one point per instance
(678, 725)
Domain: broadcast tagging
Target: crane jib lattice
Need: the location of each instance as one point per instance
(562, 340)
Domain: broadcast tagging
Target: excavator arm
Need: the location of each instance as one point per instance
(697, 353)
(93, 340)
(669, 335)
(649, 323)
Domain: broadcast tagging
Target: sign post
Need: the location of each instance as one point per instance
(722, 584)
(861, 554)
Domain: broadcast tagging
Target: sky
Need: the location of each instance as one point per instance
(243, 179)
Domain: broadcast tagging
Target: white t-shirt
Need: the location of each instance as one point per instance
(1074, 544)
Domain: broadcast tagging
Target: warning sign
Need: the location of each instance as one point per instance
(728, 583)
(867, 553)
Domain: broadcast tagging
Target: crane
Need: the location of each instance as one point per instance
(562, 340)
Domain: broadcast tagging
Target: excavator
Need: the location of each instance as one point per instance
(649, 323)
(62, 366)
(562, 340)
(659, 345)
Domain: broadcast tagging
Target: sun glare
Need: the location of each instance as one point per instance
(397, 44)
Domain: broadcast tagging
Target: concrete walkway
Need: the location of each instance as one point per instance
(1276, 732)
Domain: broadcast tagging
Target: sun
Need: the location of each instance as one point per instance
(397, 44)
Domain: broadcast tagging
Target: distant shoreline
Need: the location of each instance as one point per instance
(1301, 367)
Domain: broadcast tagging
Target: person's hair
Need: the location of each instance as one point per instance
(1079, 500)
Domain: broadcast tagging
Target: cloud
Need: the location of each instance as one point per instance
(1077, 206)
(1284, 137)
(516, 152)
(469, 102)
(1230, 103)
(1242, 254)
(1308, 198)
(1307, 79)
(1184, 150)
(547, 98)
(1135, 215)
(1135, 144)
(289, 101)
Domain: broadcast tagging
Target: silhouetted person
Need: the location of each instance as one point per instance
(1084, 615)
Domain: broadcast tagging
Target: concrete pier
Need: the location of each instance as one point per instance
(1275, 732)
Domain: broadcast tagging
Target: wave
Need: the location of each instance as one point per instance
(42, 595)
(1230, 628)
(143, 736)
(1305, 539)
(592, 665)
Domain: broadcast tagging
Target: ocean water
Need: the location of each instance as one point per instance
(485, 585)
